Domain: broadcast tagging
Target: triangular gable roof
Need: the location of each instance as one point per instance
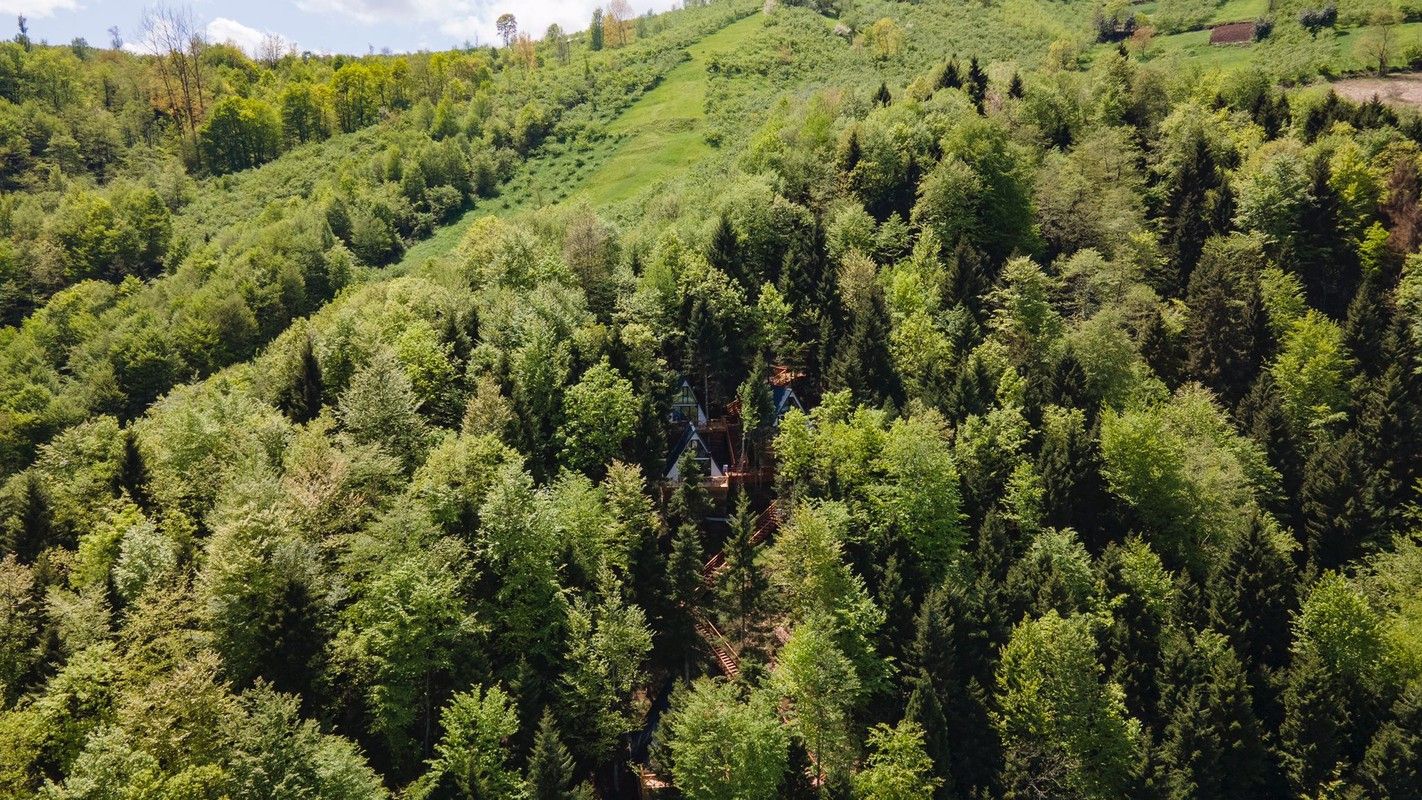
(785, 399)
(691, 439)
(683, 402)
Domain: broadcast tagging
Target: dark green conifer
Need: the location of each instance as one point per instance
(1392, 766)
(977, 84)
(1251, 601)
(883, 97)
(1331, 504)
(550, 767)
(741, 587)
(949, 78)
(1213, 743)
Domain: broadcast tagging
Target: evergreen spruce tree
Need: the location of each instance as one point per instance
(1326, 261)
(380, 407)
(882, 97)
(950, 78)
(724, 253)
(133, 470)
(851, 153)
(953, 651)
(1389, 426)
(1133, 643)
(1392, 767)
(741, 587)
(1251, 601)
(1369, 317)
(1189, 209)
(1213, 743)
(302, 401)
(977, 84)
(689, 503)
(1069, 388)
(1317, 716)
(1074, 494)
(1161, 351)
(29, 518)
(1227, 333)
(1014, 88)
(685, 564)
(1262, 418)
(862, 363)
(550, 767)
(1331, 504)
(925, 708)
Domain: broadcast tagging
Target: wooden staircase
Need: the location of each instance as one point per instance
(769, 522)
(726, 656)
(720, 648)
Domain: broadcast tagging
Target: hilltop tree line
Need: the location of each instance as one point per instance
(1109, 487)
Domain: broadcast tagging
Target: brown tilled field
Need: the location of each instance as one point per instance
(1400, 89)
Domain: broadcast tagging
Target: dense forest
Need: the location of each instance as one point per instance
(953, 401)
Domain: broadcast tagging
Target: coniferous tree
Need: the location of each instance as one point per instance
(862, 362)
(949, 78)
(133, 470)
(1134, 642)
(1074, 494)
(550, 767)
(925, 708)
(1392, 767)
(851, 152)
(1262, 418)
(951, 649)
(741, 586)
(969, 279)
(1389, 426)
(1251, 599)
(1069, 387)
(1213, 743)
(1314, 733)
(1331, 504)
(684, 565)
(1369, 316)
(690, 502)
(29, 524)
(1227, 334)
(977, 84)
(1190, 208)
(684, 580)
(1161, 351)
(1326, 261)
(302, 401)
(883, 97)
(724, 253)
(1014, 88)
(595, 34)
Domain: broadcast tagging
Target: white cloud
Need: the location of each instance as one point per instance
(37, 8)
(371, 12)
(249, 39)
(473, 19)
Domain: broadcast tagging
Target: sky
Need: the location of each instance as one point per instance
(323, 26)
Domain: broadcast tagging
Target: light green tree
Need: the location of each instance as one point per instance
(723, 747)
(898, 768)
(381, 407)
(1060, 721)
(599, 415)
(474, 750)
(822, 688)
